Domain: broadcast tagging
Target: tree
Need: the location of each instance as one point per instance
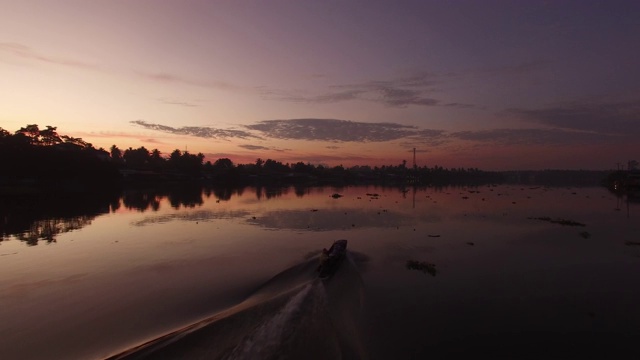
(76, 141)
(116, 154)
(137, 158)
(222, 164)
(31, 133)
(156, 160)
(49, 136)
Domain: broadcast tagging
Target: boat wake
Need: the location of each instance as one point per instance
(294, 315)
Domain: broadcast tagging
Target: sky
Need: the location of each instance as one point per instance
(495, 85)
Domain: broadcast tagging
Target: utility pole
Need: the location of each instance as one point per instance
(415, 167)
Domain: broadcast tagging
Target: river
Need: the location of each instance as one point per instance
(505, 271)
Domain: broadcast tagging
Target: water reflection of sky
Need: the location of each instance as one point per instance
(156, 266)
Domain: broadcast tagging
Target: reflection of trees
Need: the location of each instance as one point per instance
(271, 191)
(141, 200)
(224, 193)
(150, 199)
(186, 196)
(43, 216)
(48, 229)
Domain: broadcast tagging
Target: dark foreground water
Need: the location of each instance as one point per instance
(503, 271)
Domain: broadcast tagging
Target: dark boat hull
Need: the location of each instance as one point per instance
(336, 255)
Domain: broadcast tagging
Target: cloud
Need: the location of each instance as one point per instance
(176, 102)
(399, 92)
(428, 137)
(26, 52)
(169, 78)
(524, 68)
(530, 136)
(344, 131)
(332, 130)
(151, 141)
(254, 147)
(394, 96)
(198, 131)
(621, 117)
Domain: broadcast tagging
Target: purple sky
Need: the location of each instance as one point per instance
(488, 84)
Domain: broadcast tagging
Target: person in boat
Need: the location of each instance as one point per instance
(324, 257)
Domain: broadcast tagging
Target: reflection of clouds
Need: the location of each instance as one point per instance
(199, 131)
(203, 215)
(330, 219)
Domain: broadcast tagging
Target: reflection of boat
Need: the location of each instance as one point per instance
(330, 259)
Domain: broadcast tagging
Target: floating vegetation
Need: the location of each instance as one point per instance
(433, 235)
(585, 234)
(560, 221)
(470, 243)
(336, 196)
(425, 267)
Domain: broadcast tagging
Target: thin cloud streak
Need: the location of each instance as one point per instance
(400, 92)
(531, 137)
(176, 102)
(168, 78)
(621, 117)
(26, 52)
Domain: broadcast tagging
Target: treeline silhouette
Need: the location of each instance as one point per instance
(42, 157)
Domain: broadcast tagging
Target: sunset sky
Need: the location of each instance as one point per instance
(496, 85)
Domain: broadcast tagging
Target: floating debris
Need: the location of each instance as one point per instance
(433, 235)
(425, 267)
(336, 196)
(560, 221)
(314, 210)
(470, 243)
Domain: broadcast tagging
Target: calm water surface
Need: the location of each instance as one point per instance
(430, 272)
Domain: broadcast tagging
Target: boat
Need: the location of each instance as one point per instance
(330, 259)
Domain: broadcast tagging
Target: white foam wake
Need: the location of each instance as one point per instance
(268, 337)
